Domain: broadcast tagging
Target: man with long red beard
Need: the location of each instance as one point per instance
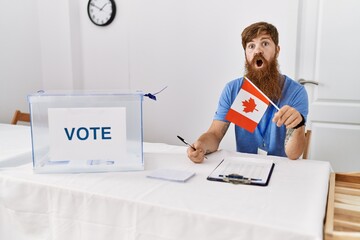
(279, 132)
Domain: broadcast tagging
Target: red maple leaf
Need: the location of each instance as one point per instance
(249, 105)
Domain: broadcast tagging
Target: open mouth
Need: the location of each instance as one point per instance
(259, 62)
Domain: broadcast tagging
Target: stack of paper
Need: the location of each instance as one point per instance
(171, 175)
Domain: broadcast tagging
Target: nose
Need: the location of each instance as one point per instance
(258, 49)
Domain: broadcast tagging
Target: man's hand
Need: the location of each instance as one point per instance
(295, 139)
(198, 155)
(287, 116)
(208, 142)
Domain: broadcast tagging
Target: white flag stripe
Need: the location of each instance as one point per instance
(245, 96)
(262, 94)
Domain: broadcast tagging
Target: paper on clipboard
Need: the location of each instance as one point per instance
(241, 170)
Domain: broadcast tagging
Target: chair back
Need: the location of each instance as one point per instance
(307, 144)
(20, 117)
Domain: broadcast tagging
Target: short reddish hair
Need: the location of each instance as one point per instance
(258, 28)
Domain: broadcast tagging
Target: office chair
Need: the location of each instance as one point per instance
(307, 144)
(20, 117)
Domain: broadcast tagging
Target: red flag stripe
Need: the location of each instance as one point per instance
(247, 86)
(241, 120)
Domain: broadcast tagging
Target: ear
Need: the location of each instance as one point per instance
(277, 50)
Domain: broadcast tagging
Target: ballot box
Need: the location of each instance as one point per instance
(86, 131)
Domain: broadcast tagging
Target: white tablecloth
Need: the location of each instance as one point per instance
(128, 205)
(15, 145)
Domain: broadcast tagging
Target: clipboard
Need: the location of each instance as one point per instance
(239, 170)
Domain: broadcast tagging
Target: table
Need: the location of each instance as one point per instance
(15, 145)
(128, 205)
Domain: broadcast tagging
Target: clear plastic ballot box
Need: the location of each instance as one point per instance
(85, 131)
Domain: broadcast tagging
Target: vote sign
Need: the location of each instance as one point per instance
(87, 133)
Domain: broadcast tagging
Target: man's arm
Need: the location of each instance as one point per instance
(295, 142)
(209, 141)
(295, 138)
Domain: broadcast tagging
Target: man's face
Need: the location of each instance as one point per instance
(260, 48)
(262, 67)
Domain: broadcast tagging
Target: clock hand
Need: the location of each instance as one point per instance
(93, 4)
(103, 6)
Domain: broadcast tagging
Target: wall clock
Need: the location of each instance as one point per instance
(101, 12)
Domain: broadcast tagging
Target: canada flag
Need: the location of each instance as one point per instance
(249, 106)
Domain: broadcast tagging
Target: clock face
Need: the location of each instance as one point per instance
(101, 12)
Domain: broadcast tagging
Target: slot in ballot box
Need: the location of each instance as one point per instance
(86, 131)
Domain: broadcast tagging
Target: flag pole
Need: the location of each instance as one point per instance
(263, 94)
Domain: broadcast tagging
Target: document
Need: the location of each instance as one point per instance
(240, 170)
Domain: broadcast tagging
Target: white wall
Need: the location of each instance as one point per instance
(193, 47)
(20, 55)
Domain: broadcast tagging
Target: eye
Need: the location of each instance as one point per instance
(265, 43)
(251, 46)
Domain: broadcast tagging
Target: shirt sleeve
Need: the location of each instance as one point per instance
(226, 99)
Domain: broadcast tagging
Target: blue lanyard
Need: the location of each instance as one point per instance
(263, 132)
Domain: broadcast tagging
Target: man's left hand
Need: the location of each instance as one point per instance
(288, 116)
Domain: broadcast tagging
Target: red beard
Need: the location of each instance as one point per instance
(268, 78)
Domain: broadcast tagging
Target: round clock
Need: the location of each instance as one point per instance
(101, 12)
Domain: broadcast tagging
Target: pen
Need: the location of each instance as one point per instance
(237, 176)
(186, 143)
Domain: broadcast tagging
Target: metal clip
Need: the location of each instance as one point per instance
(235, 178)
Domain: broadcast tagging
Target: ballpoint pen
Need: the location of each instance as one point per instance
(239, 177)
(188, 144)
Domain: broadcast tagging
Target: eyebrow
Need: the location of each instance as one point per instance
(266, 36)
(261, 39)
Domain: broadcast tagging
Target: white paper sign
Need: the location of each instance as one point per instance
(87, 133)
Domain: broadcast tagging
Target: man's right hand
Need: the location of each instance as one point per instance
(198, 155)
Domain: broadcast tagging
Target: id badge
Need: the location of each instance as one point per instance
(261, 151)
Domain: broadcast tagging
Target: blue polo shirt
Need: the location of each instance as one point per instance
(267, 135)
